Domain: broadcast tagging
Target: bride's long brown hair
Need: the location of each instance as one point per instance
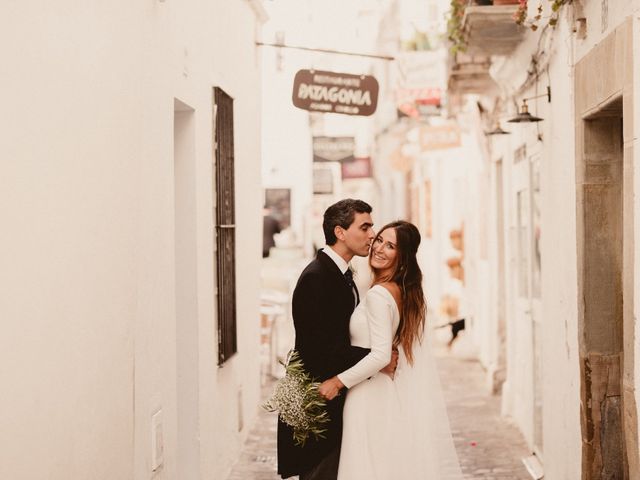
(408, 276)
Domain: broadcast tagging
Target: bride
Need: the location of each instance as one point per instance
(393, 427)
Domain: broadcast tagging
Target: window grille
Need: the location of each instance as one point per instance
(225, 225)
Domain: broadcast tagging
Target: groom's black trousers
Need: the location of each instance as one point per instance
(327, 469)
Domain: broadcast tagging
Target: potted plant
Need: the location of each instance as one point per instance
(454, 26)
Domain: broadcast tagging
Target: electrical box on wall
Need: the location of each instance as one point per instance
(157, 441)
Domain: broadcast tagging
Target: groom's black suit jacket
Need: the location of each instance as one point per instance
(322, 306)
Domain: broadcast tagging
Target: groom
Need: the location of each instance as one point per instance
(323, 301)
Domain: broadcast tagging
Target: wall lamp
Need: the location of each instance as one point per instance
(524, 116)
(497, 130)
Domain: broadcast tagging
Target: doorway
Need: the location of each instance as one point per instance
(187, 372)
(528, 263)
(600, 268)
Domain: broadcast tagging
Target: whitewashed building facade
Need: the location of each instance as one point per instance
(125, 298)
(561, 228)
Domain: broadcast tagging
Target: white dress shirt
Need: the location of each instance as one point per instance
(341, 263)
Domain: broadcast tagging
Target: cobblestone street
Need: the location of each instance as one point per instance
(489, 446)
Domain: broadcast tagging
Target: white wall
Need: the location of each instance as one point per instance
(558, 312)
(89, 328)
(636, 208)
(474, 193)
(561, 371)
(451, 172)
(601, 24)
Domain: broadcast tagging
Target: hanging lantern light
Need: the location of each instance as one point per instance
(523, 115)
(497, 130)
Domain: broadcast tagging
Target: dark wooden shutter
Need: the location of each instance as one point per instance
(225, 226)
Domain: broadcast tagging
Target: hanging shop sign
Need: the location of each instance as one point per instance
(333, 149)
(331, 92)
(416, 102)
(440, 137)
(359, 167)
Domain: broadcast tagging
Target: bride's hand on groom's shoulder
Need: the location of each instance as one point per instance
(330, 389)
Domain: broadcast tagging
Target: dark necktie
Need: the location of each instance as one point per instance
(348, 276)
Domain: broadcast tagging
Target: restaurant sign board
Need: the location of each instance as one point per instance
(331, 92)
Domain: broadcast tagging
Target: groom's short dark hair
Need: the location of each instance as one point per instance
(341, 214)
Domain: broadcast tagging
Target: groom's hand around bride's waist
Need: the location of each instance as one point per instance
(390, 369)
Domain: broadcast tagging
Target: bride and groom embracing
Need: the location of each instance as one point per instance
(392, 423)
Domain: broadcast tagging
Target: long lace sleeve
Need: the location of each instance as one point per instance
(379, 311)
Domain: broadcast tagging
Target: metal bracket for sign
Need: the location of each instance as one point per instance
(226, 226)
(324, 50)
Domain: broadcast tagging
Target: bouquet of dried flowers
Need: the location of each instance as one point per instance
(298, 402)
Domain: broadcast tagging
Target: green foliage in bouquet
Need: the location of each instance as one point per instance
(298, 402)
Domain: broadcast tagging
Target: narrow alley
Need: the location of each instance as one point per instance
(167, 168)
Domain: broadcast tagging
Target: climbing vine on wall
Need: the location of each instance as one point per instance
(521, 15)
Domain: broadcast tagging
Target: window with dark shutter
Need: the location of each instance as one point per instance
(225, 225)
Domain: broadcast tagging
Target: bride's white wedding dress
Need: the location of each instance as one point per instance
(392, 429)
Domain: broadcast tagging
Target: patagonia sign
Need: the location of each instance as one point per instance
(331, 92)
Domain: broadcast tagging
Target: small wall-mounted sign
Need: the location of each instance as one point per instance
(359, 167)
(323, 180)
(333, 149)
(440, 137)
(332, 92)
